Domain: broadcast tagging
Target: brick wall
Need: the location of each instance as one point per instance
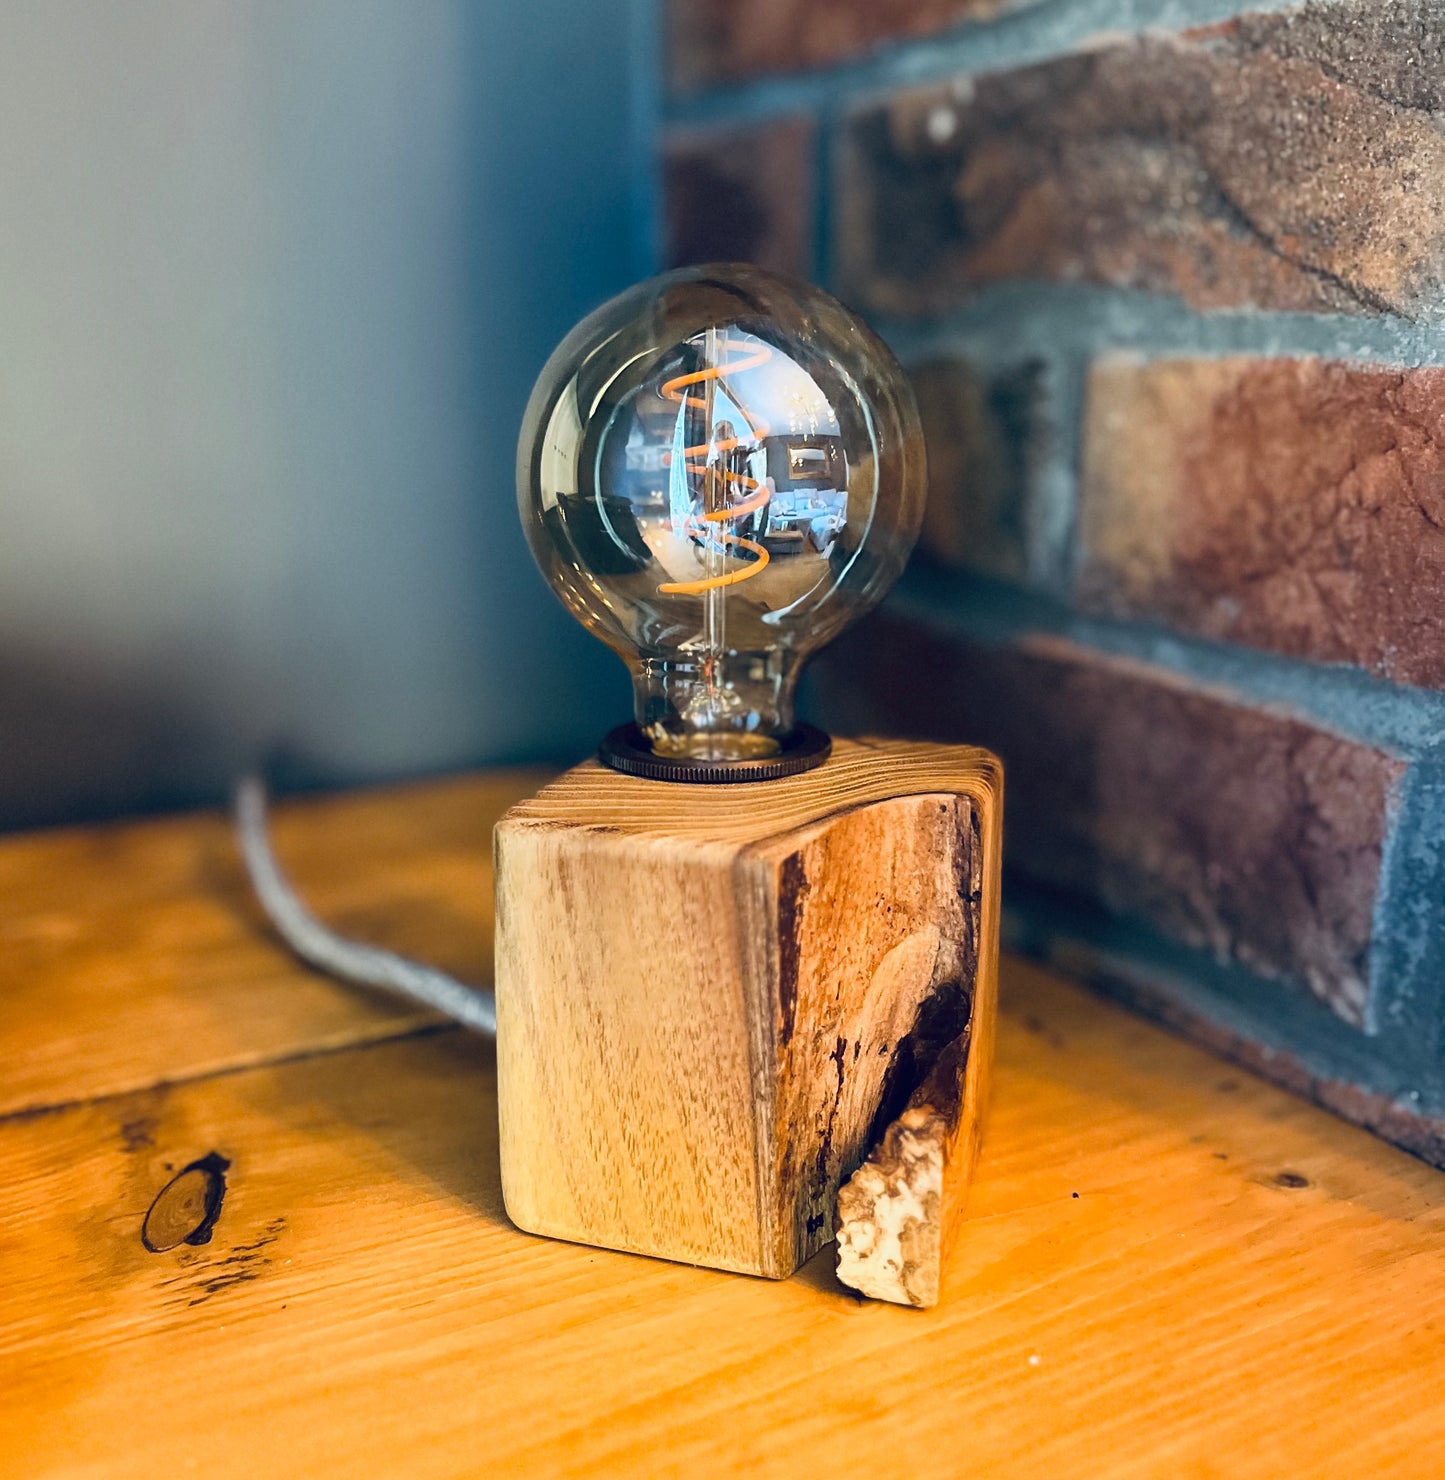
(1170, 283)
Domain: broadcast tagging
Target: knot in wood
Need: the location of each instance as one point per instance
(186, 1208)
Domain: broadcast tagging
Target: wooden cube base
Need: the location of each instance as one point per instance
(713, 1002)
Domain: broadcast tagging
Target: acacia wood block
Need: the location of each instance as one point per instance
(712, 1000)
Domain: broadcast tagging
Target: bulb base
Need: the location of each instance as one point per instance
(628, 750)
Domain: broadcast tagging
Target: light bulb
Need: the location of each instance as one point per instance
(719, 470)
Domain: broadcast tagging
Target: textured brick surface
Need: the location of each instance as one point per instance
(1244, 832)
(742, 195)
(1295, 505)
(716, 41)
(983, 434)
(1283, 161)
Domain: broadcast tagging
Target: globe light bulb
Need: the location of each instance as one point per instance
(718, 471)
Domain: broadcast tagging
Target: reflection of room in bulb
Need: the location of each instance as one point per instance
(718, 471)
(719, 496)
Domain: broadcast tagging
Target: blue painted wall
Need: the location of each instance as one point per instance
(275, 279)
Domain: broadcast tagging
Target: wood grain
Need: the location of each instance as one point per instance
(133, 953)
(364, 1307)
(1168, 1267)
(706, 1003)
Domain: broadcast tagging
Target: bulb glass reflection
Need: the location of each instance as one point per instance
(718, 470)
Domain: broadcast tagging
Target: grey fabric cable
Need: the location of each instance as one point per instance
(348, 960)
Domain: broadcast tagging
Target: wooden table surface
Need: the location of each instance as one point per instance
(1170, 1268)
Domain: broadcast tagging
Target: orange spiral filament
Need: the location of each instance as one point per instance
(757, 494)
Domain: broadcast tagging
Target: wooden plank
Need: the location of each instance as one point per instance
(133, 953)
(1169, 1268)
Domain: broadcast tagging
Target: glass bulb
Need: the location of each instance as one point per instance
(718, 470)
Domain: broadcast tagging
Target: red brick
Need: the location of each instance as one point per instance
(1283, 161)
(1293, 505)
(1251, 834)
(716, 41)
(982, 432)
(742, 195)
